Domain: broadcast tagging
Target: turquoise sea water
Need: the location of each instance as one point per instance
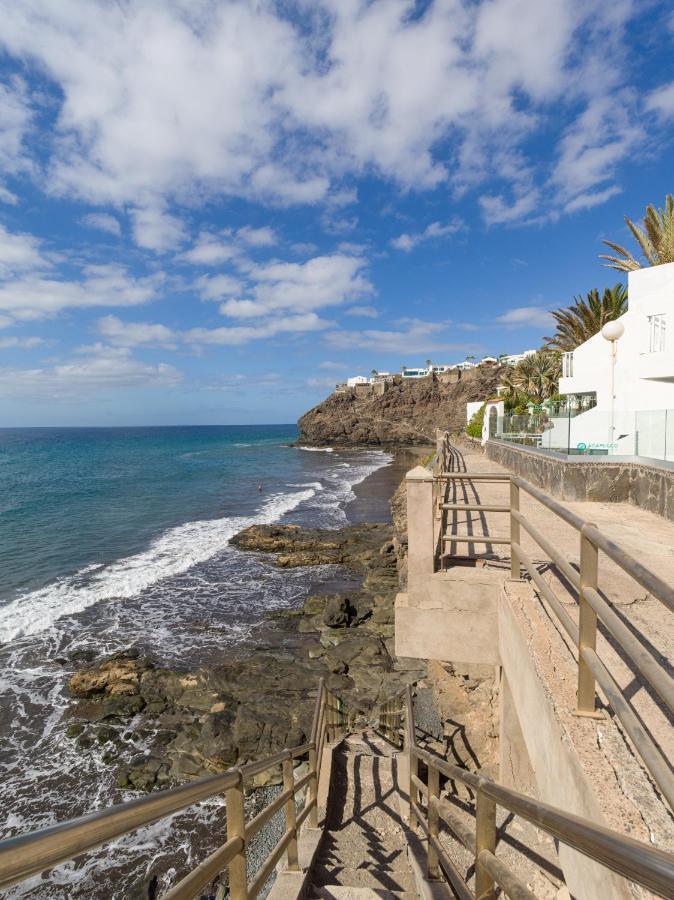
(117, 537)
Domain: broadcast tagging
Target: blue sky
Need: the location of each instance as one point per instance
(212, 211)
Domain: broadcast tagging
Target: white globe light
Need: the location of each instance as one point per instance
(613, 330)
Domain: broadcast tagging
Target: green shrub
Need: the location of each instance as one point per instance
(474, 427)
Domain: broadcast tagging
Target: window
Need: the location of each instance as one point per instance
(656, 333)
(567, 365)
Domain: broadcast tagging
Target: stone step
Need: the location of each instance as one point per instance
(349, 892)
(342, 892)
(386, 879)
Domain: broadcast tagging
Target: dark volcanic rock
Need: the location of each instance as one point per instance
(200, 722)
(408, 412)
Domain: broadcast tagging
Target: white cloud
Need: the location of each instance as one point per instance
(209, 250)
(15, 120)
(8, 197)
(592, 198)
(319, 282)
(417, 337)
(366, 312)
(22, 343)
(217, 286)
(163, 101)
(661, 100)
(103, 222)
(332, 366)
(156, 229)
(257, 237)
(19, 252)
(244, 334)
(593, 146)
(100, 369)
(497, 210)
(134, 334)
(408, 242)
(526, 317)
(35, 296)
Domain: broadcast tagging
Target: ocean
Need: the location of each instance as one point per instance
(119, 537)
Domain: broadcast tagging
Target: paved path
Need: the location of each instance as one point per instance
(363, 853)
(646, 536)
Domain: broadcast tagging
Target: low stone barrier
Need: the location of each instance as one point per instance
(647, 485)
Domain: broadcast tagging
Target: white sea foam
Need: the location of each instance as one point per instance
(174, 552)
(317, 449)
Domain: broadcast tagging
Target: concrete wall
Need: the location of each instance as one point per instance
(650, 487)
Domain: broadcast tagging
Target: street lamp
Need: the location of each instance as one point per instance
(612, 332)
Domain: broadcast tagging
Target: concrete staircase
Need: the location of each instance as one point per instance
(363, 854)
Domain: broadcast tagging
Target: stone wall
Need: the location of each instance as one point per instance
(650, 487)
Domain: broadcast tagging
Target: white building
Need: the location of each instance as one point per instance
(357, 379)
(515, 358)
(639, 418)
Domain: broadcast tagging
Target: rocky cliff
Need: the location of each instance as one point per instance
(407, 412)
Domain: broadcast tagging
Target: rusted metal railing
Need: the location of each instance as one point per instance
(634, 860)
(585, 585)
(39, 851)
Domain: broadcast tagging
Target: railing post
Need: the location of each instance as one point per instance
(313, 788)
(420, 525)
(485, 839)
(433, 872)
(236, 827)
(515, 571)
(291, 818)
(587, 622)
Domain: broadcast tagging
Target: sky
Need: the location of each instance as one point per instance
(210, 212)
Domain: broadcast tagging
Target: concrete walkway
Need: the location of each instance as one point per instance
(646, 536)
(363, 854)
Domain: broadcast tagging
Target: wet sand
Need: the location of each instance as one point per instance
(373, 494)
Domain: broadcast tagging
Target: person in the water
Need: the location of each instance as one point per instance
(259, 488)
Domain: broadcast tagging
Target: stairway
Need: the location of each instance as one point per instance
(363, 854)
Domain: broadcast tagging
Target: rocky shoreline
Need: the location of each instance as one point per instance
(160, 726)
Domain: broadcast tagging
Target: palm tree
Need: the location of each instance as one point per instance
(656, 239)
(534, 379)
(586, 317)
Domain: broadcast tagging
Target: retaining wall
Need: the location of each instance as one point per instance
(649, 486)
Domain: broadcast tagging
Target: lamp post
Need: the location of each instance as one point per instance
(612, 332)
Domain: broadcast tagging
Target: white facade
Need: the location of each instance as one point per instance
(471, 408)
(357, 379)
(642, 422)
(515, 358)
(644, 370)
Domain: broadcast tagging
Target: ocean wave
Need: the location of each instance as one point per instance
(174, 552)
(317, 449)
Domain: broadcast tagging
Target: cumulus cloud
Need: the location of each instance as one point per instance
(21, 343)
(134, 334)
(19, 252)
(156, 229)
(244, 334)
(416, 336)
(257, 237)
(287, 106)
(408, 242)
(661, 100)
(37, 296)
(103, 222)
(99, 369)
(526, 317)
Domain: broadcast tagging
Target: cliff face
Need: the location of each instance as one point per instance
(407, 413)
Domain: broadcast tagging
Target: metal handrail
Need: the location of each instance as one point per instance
(632, 859)
(39, 851)
(592, 607)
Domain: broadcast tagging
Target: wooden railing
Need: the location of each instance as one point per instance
(39, 851)
(584, 585)
(634, 860)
